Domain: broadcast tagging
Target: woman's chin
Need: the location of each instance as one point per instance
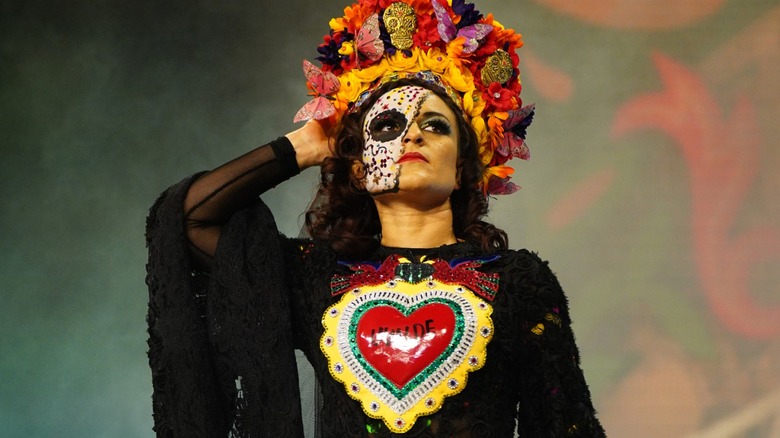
(424, 182)
(424, 190)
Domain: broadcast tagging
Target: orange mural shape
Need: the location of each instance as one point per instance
(722, 156)
(580, 199)
(550, 82)
(637, 14)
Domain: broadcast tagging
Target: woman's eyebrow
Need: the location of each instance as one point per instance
(428, 114)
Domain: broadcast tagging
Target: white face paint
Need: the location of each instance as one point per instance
(384, 129)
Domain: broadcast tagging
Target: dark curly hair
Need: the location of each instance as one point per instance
(346, 215)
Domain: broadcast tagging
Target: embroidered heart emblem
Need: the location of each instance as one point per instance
(402, 348)
(414, 272)
(404, 368)
(400, 344)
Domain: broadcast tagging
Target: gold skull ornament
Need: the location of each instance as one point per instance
(400, 22)
(498, 68)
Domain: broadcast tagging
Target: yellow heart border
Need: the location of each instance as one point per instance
(446, 380)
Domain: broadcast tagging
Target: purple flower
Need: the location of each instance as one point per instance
(468, 15)
(329, 50)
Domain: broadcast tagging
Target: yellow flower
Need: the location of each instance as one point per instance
(351, 86)
(473, 105)
(457, 78)
(338, 24)
(347, 49)
(478, 123)
(370, 74)
(400, 62)
(435, 60)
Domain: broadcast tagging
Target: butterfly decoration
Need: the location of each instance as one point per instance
(448, 31)
(464, 271)
(365, 273)
(368, 45)
(460, 271)
(324, 84)
(513, 144)
(501, 186)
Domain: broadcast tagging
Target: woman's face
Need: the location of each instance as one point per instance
(411, 143)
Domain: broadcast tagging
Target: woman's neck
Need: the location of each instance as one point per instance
(406, 225)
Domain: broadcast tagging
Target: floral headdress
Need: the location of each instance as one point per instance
(447, 42)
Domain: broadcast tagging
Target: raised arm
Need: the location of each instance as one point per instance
(215, 196)
(191, 398)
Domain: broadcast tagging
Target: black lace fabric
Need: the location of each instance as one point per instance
(221, 341)
(531, 382)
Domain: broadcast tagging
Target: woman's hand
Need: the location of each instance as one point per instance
(312, 143)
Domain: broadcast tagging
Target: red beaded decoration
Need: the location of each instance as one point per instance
(463, 273)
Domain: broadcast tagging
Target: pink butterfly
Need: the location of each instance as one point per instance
(448, 31)
(324, 83)
(501, 186)
(368, 45)
(513, 144)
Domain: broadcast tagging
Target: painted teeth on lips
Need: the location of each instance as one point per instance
(412, 156)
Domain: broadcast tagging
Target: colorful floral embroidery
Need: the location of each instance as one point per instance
(459, 272)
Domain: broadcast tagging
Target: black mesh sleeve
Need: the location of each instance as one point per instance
(215, 196)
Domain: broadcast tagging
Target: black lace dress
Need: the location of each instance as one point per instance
(222, 338)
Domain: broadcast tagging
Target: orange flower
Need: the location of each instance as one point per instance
(423, 7)
(353, 18)
(499, 173)
(496, 125)
(455, 49)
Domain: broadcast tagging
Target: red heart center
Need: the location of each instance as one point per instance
(399, 347)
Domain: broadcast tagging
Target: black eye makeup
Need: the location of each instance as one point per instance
(437, 124)
(387, 125)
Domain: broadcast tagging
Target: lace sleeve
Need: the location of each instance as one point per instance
(215, 196)
(194, 395)
(554, 397)
(250, 326)
(185, 398)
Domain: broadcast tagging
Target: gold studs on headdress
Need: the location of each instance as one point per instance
(400, 22)
(498, 68)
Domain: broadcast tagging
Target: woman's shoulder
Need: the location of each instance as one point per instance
(523, 259)
(525, 271)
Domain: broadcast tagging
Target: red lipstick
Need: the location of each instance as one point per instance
(412, 156)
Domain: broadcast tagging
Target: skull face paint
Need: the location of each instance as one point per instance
(384, 129)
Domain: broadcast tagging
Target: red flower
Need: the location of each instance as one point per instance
(427, 34)
(489, 46)
(499, 97)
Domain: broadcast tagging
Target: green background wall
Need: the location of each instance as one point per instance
(653, 190)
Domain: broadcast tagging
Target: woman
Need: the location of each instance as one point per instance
(415, 316)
